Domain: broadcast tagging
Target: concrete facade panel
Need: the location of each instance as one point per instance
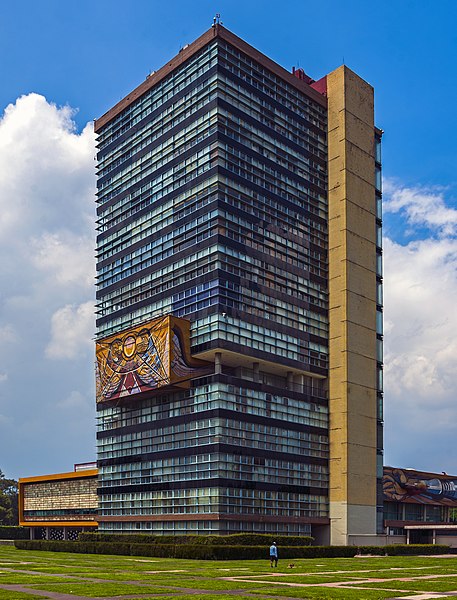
(359, 97)
(361, 193)
(362, 222)
(362, 310)
(359, 133)
(359, 162)
(361, 370)
(363, 339)
(361, 251)
(362, 282)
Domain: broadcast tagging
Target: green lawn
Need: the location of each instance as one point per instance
(98, 576)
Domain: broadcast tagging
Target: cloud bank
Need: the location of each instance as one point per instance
(46, 276)
(420, 287)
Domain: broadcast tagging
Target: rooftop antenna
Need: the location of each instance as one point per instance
(217, 19)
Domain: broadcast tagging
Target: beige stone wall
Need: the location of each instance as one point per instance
(352, 306)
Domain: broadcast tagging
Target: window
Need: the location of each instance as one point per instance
(414, 512)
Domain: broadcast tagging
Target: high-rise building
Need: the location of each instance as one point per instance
(239, 329)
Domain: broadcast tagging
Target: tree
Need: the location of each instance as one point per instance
(9, 514)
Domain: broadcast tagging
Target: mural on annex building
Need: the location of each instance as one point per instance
(150, 356)
(408, 485)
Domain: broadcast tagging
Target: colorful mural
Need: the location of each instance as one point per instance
(144, 358)
(407, 485)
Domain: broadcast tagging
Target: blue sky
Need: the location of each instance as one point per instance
(90, 54)
(66, 63)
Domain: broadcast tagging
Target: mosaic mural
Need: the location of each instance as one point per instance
(54, 500)
(407, 485)
(144, 358)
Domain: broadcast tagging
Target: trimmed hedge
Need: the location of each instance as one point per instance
(75, 547)
(415, 549)
(237, 539)
(214, 552)
(372, 550)
(197, 551)
(14, 533)
(226, 552)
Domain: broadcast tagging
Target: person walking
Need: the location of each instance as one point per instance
(273, 555)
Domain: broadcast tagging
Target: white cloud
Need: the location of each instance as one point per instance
(65, 257)
(8, 334)
(47, 185)
(72, 331)
(422, 206)
(45, 180)
(3, 377)
(420, 287)
(421, 332)
(75, 401)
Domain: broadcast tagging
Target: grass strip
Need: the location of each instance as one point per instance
(22, 579)
(96, 590)
(7, 595)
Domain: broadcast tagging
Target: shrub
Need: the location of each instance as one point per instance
(55, 546)
(415, 549)
(130, 538)
(180, 550)
(373, 550)
(212, 551)
(239, 539)
(325, 552)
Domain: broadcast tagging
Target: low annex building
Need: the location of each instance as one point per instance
(420, 507)
(59, 506)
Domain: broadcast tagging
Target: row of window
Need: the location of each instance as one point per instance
(272, 85)
(214, 500)
(187, 263)
(152, 251)
(213, 431)
(269, 147)
(276, 246)
(229, 466)
(158, 95)
(158, 186)
(168, 212)
(171, 148)
(404, 511)
(124, 206)
(266, 306)
(256, 269)
(241, 332)
(61, 512)
(221, 395)
(287, 215)
(254, 336)
(201, 527)
(161, 153)
(273, 117)
(254, 304)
